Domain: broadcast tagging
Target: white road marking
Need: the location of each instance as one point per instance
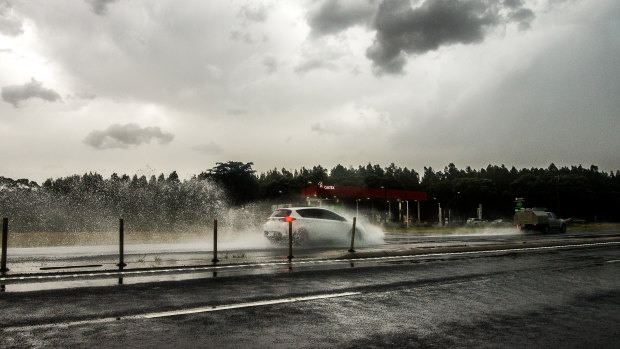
(179, 312)
(242, 305)
(613, 261)
(299, 262)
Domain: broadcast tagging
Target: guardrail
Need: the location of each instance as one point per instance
(5, 238)
(121, 245)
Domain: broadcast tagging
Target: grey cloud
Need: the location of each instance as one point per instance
(333, 16)
(211, 148)
(100, 7)
(513, 3)
(313, 64)
(271, 64)
(126, 136)
(323, 129)
(317, 127)
(86, 95)
(10, 25)
(241, 36)
(524, 16)
(257, 13)
(33, 89)
(403, 30)
(237, 111)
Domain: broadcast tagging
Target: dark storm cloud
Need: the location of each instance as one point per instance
(126, 136)
(524, 16)
(333, 16)
(99, 7)
(33, 89)
(10, 25)
(403, 30)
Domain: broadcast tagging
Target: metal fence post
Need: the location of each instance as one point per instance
(290, 240)
(353, 236)
(215, 260)
(121, 241)
(5, 238)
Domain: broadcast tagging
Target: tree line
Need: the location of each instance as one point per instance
(236, 193)
(573, 191)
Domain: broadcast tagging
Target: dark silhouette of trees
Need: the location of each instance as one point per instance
(167, 203)
(236, 178)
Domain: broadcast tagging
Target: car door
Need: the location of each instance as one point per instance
(335, 224)
(554, 221)
(311, 221)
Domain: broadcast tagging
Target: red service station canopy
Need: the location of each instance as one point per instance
(356, 192)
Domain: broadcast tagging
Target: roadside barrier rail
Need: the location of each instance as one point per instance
(352, 249)
(290, 240)
(121, 246)
(215, 260)
(5, 238)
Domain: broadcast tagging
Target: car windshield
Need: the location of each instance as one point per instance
(281, 213)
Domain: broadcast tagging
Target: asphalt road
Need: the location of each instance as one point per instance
(489, 296)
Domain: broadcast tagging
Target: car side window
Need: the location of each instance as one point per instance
(318, 213)
(332, 216)
(309, 213)
(281, 213)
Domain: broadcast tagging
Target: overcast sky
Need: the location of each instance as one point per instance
(141, 86)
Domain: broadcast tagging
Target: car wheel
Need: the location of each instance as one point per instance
(300, 237)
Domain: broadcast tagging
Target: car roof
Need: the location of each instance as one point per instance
(301, 208)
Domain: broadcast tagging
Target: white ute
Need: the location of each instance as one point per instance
(538, 219)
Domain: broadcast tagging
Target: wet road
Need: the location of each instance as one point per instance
(463, 294)
(80, 266)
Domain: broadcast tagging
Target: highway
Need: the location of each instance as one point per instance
(489, 290)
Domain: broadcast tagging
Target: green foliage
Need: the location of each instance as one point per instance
(236, 178)
(91, 203)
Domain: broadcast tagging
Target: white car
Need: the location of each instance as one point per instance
(474, 221)
(310, 224)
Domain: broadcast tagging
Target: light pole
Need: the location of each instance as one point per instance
(418, 221)
(407, 224)
(439, 214)
(440, 220)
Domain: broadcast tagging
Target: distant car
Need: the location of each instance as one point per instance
(574, 220)
(474, 221)
(310, 224)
